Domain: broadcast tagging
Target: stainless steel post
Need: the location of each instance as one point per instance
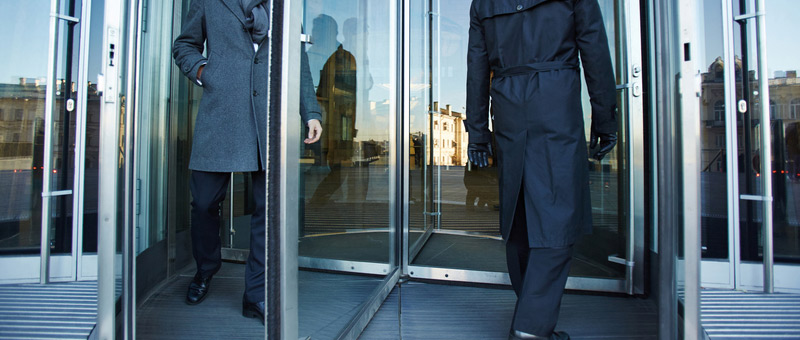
(108, 171)
(49, 108)
(690, 149)
(766, 146)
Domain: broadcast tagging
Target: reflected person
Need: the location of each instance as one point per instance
(336, 94)
(524, 56)
(229, 135)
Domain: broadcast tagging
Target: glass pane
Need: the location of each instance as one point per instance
(420, 171)
(713, 152)
(92, 153)
(345, 176)
(152, 119)
(784, 94)
(346, 173)
(24, 26)
(750, 176)
(608, 180)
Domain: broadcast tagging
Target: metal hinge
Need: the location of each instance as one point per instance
(432, 213)
(305, 38)
(138, 196)
(755, 198)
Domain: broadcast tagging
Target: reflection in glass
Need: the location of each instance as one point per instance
(713, 155)
(23, 87)
(784, 93)
(345, 177)
(152, 129)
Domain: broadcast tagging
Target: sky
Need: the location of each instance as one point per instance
(24, 25)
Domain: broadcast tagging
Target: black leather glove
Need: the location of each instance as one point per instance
(479, 153)
(607, 142)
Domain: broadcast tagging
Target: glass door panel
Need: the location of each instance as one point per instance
(43, 122)
(23, 79)
(784, 93)
(780, 81)
(347, 179)
(422, 170)
(714, 153)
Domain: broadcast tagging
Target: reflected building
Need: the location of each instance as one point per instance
(450, 138)
(22, 130)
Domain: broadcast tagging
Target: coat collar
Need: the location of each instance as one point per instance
(233, 6)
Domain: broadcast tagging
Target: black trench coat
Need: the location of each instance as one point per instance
(524, 55)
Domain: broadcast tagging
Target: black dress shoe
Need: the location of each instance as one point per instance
(517, 335)
(253, 310)
(198, 289)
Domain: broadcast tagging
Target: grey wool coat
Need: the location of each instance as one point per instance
(229, 134)
(523, 55)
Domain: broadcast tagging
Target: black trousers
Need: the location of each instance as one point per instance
(538, 276)
(208, 191)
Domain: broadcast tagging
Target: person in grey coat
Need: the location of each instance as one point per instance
(230, 129)
(523, 54)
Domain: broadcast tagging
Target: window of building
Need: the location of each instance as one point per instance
(719, 111)
(2, 115)
(18, 114)
(773, 110)
(795, 107)
(720, 141)
(444, 126)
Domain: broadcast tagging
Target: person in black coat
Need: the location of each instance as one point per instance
(523, 54)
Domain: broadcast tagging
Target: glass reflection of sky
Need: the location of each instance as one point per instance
(373, 120)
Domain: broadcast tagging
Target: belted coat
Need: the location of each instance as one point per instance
(523, 57)
(229, 133)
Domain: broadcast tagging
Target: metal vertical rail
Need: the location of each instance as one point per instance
(690, 149)
(288, 204)
(406, 136)
(133, 45)
(438, 11)
(766, 146)
(665, 123)
(108, 168)
(636, 160)
(731, 142)
(396, 131)
(80, 136)
(49, 108)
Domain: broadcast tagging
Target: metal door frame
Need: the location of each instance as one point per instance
(735, 273)
(47, 267)
(633, 283)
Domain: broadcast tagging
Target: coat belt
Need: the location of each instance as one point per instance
(534, 68)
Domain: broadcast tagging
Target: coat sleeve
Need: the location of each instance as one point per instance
(477, 82)
(188, 47)
(596, 60)
(309, 107)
